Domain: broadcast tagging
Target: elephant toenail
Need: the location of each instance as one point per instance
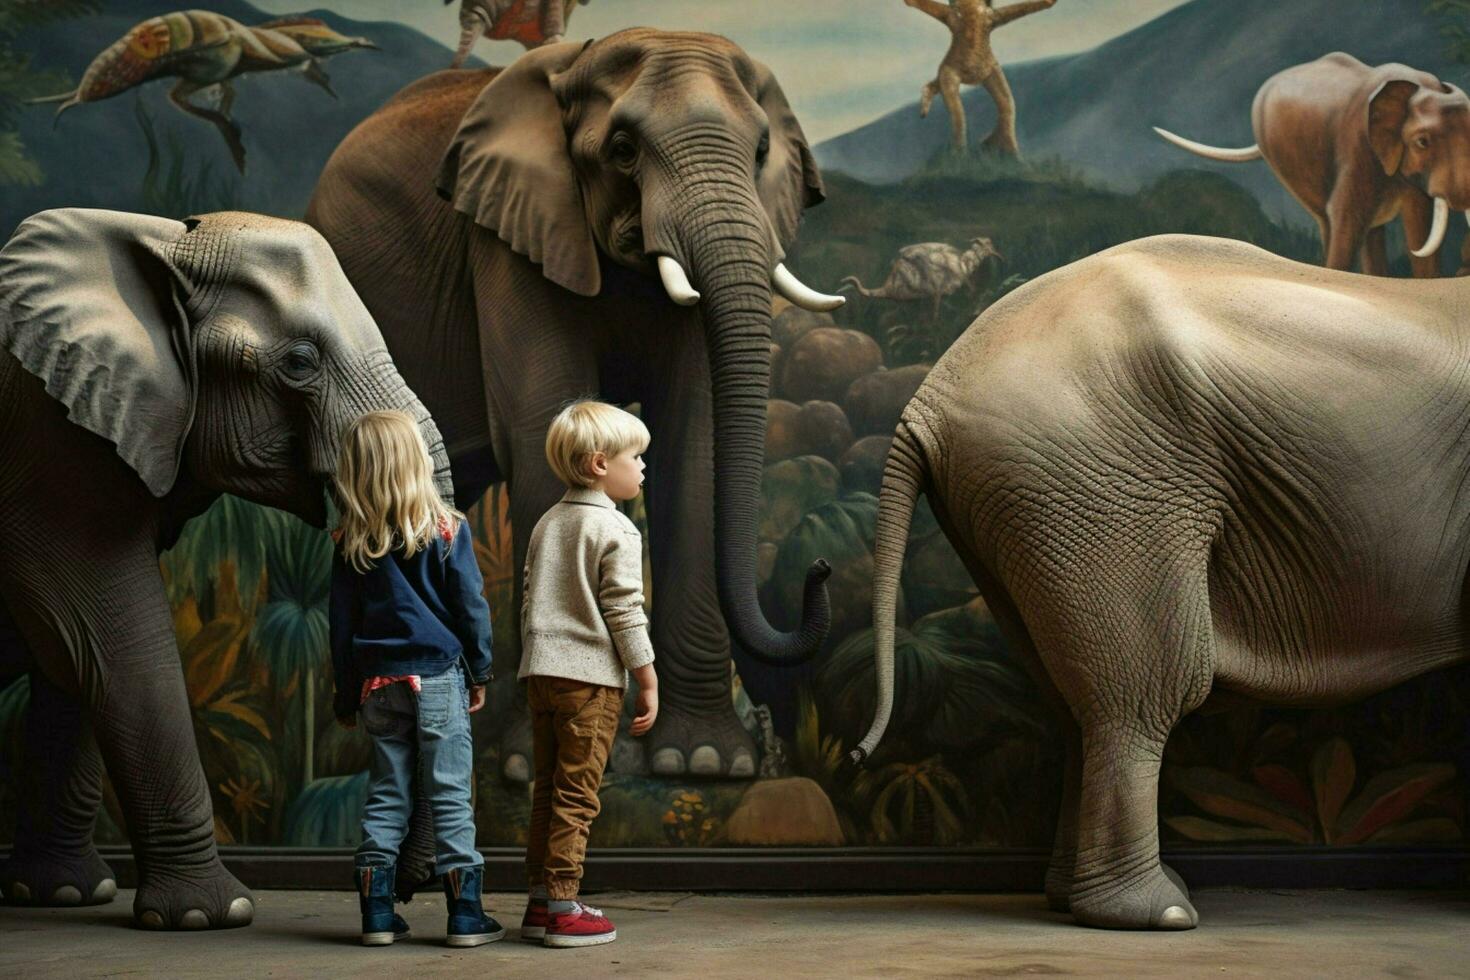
(667, 762)
(1176, 917)
(194, 919)
(742, 766)
(67, 895)
(19, 892)
(705, 761)
(242, 910)
(517, 769)
(105, 891)
(150, 920)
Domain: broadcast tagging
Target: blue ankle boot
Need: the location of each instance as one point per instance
(468, 923)
(381, 926)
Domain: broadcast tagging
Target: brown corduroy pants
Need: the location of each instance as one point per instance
(572, 728)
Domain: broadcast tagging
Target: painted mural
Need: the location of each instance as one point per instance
(1045, 153)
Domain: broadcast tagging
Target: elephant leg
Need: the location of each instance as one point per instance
(1063, 864)
(1374, 259)
(949, 86)
(1418, 215)
(1131, 651)
(697, 731)
(1345, 236)
(53, 860)
(1002, 138)
(141, 715)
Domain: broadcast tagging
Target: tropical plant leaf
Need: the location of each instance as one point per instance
(1389, 797)
(1333, 775)
(1432, 830)
(230, 705)
(1199, 828)
(328, 813)
(1223, 795)
(1283, 784)
(292, 631)
(210, 657)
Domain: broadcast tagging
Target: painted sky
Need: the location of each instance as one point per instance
(841, 62)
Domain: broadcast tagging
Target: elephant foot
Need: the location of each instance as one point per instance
(515, 746)
(1156, 899)
(34, 877)
(192, 898)
(687, 744)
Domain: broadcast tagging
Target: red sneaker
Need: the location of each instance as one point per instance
(533, 923)
(582, 926)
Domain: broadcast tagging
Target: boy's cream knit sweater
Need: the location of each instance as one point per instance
(582, 611)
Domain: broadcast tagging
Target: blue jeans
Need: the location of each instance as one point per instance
(429, 731)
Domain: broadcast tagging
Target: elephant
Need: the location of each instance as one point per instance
(1358, 147)
(931, 270)
(606, 217)
(150, 365)
(1174, 471)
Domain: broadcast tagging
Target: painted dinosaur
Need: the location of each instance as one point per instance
(930, 270)
(530, 22)
(204, 51)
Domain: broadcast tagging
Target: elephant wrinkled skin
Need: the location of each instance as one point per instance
(1175, 471)
(149, 365)
(613, 219)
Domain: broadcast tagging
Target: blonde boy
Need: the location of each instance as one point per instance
(582, 630)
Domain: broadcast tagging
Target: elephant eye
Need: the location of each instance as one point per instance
(762, 150)
(623, 151)
(302, 360)
(1422, 141)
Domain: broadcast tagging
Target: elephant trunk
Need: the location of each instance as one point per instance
(726, 243)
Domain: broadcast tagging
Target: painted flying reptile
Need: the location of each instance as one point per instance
(531, 22)
(204, 51)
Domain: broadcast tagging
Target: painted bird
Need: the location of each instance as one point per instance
(204, 51)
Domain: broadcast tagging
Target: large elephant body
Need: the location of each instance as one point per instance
(1187, 469)
(529, 235)
(146, 366)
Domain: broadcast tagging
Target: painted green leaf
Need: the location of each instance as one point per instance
(1333, 774)
(1283, 784)
(1390, 797)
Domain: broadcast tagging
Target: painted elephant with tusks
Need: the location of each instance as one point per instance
(1175, 471)
(613, 219)
(148, 366)
(1359, 146)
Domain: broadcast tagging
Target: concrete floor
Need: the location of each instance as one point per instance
(1243, 933)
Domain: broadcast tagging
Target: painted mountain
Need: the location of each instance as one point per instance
(97, 154)
(1193, 70)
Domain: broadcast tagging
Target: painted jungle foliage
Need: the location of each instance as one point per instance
(927, 221)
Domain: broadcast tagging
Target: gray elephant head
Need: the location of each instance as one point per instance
(676, 155)
(228, 347)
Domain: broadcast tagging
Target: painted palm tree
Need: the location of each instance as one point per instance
(231, 535)
(291, 632)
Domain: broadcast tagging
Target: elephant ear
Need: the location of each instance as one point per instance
(1388, 110)
(509, 168)
(89, 303)
(790, 181)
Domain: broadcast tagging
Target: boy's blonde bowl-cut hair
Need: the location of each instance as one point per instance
(588, 426)
(385, 488)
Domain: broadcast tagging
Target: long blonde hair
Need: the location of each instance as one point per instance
(385, 489)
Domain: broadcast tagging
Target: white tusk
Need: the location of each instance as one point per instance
(676, 283)
(800, 293)
(1467, 217)
(1436, 230)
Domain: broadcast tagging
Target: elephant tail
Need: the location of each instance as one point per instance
(1241, 155)
(904, 475)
